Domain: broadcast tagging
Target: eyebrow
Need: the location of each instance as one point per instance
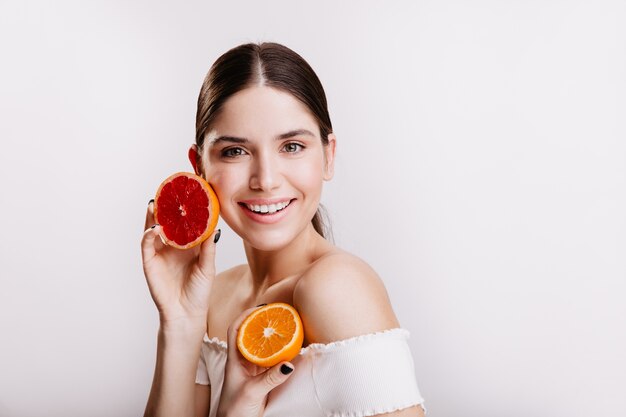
(297, 132)
(234, 139)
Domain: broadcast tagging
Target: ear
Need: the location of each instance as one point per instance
(329, 157)
(195, 159)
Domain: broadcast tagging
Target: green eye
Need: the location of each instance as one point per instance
(293, 147)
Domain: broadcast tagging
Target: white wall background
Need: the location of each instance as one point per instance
(481, 171)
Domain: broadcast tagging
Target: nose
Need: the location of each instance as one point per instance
(265, 175)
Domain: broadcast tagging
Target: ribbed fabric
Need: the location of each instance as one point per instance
(362, 376)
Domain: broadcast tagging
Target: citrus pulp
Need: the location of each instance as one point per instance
(187, 209)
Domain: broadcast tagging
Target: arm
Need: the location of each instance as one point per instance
(180, 284)
(342, 297)
(173, 385)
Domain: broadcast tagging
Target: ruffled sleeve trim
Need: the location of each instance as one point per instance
(395, 333)
(214, 341)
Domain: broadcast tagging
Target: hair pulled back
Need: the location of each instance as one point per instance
(272, 65)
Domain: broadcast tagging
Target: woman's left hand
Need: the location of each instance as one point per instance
(246, 386)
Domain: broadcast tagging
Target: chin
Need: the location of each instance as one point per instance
(270, 239)
(268, 242)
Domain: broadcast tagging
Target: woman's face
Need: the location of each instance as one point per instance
(265, 160)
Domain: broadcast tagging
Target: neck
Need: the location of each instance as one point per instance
(269, 267)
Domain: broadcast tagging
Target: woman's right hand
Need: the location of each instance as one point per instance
(180, 281)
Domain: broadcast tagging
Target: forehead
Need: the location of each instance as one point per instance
(260, 111)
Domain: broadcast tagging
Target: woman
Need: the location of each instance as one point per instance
(264, 142)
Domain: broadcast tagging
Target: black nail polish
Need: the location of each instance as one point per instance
(154, 225)
(151, 201)
(217, 235)
(261, 305)
(285, 370)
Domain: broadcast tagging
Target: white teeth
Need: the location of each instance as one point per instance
(272, 208)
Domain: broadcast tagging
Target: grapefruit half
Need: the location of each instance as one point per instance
(187, 209)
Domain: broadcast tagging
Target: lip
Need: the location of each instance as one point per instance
(266, 218)
(266, 201)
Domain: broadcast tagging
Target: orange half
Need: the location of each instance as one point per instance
(271, 334)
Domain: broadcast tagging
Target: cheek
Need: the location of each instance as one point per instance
(308, 177)
(225, 182)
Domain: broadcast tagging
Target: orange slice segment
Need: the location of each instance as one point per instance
(271, 334)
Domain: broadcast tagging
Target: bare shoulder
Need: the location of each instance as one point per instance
(341, 296)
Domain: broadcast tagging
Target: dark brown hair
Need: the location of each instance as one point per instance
(269, 64)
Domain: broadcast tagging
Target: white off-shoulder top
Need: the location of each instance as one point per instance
(361, 376)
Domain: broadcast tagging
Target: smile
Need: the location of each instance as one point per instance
(267, 208)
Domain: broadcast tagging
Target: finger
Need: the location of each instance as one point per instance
(206, 259)
(151, 221)
(150, 242)
(262, 384)
(149, 215)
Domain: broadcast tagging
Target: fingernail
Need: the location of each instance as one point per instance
(154, 225)
(151, 201)
(217, 235)
(261, 305)
(285, 369)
